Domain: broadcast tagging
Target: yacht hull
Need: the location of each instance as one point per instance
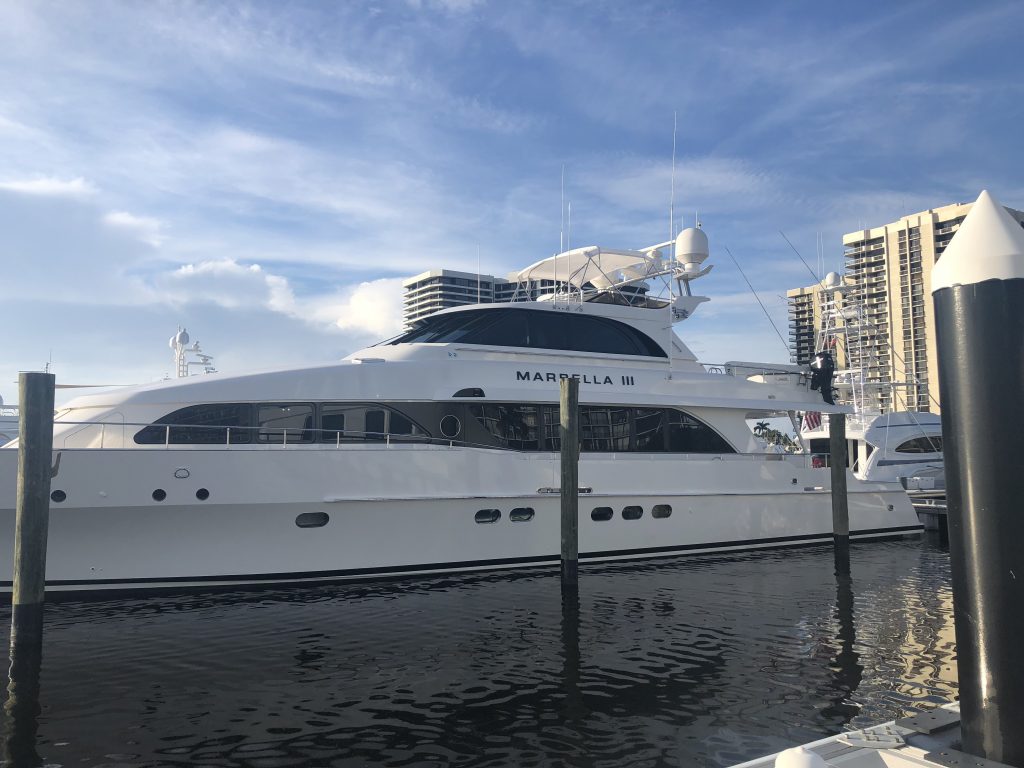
(405, 509)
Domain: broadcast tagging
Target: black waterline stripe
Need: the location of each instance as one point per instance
(465, 564)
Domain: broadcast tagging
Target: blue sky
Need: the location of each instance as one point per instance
(265, 174)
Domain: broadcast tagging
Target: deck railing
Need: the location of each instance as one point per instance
(99, 435)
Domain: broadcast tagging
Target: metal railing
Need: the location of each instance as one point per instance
(354, 437)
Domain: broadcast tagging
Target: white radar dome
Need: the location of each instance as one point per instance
(691, 246)
(833, 280)
(180, 338)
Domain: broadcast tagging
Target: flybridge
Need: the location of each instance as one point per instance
(620, 276)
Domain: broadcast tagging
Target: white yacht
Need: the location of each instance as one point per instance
(903, 446)
(438, 450)
(8, 422)
(900, 446)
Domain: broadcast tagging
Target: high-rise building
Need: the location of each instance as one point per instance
(438, 289)
(886, 307)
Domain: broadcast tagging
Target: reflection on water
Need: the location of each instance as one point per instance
(688, 662)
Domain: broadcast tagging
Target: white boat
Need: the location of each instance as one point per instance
(905, 446)
(8, 422)
(439, 451)
(900, 446)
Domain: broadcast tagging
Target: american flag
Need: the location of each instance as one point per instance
(812, 420)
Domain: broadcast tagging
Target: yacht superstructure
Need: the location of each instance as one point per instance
(438, 450)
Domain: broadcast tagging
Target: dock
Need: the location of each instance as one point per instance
(924, 739)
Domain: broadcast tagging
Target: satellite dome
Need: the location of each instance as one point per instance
(691, 246)
(833, 280)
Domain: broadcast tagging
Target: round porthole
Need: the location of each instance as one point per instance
(58, 496)
(159, 494)
(202, 494)
(450, 426)
(181, 473)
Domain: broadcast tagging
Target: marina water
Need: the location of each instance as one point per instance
(700, 661)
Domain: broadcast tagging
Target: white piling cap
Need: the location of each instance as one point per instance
(989, 245)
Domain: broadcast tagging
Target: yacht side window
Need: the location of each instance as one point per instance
(354, 422)
(689, 435)
(207, 424)
(921, 445)
(511, 426)
(280, 422)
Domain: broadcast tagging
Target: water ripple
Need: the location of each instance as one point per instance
(688, 662)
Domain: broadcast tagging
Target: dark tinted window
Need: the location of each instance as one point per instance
(688, 435)
(204, 424)
(649, 429)
(511, 426)
(601, 514)
(355, 422)
(921, 445)
(280, 421)
(537, 328)
(374, 423)
(604, 428)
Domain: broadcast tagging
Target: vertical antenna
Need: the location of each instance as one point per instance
(568, 239)
(672, 194)
(561, 211)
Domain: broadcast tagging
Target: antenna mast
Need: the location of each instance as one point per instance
(561, 211)
(672, 194)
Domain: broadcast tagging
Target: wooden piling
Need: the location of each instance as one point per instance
(570, 440)
(35, 448)
(837, 461)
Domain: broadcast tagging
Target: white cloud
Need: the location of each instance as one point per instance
(148, 230)
(373, 307)
(50, 187)
(227, 283)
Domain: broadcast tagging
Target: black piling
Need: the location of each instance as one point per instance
(35, 445)
(978, 291)
(840, 503)
(570, 440)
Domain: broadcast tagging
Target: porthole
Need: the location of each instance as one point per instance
(632, 513)
(451, 426)
(58, 496)
(488, 516)
(312, 520)
(521, 514)
(159, 494)
(202, 494)
(661, 511)
(601, 513)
